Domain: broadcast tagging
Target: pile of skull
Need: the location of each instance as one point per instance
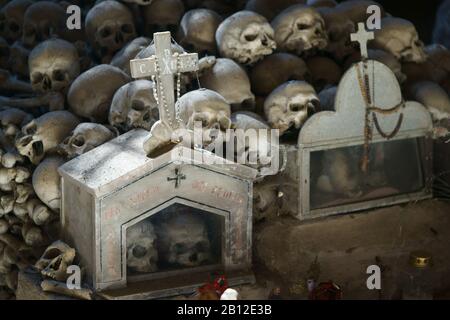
(265, 64)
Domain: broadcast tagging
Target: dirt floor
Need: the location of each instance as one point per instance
(340, 248)
(285, 250)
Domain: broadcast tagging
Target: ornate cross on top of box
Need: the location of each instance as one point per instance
(362, 36)
(162, 67)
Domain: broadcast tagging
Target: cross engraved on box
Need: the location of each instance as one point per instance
(178, 177)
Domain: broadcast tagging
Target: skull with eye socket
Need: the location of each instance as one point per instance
(142, 255)
(254, 141)
(55, 260)
(134, 106)
(162, 15)
(300, 29)
(53, 65)
(245, 37)
(11, 19)
(290, 104)
(109, 26)
(43, 134)
(197, 31)
(339, 27)
(400, 38)
(183, 240)
(206, 108)
(42, 20)
(85, 137)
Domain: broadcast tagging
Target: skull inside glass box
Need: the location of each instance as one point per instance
(148, 228)
(176, 238)
(336, 177)
(374, 150)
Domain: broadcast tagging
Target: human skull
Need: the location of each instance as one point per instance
(55, 260)
(338, 176)
(324, 72)
(250, 145)
(356, 10)
(11, 19)
(339, 27)
(53, 64)
(23, 192)
(109, 26)
(418, 72)
(5, 54)
(439, 58)
(399, 37)
(11, 158)
(162, 15)
(122, 58)
(43, 134)
(42, 20)
(300, 29)
(18, 62)
(290, 104)
(47, 182)
(275, 70)
(85, 137)
(230, 80)
(439, 54)
(432, 96)
(322, 3)
(267, 199)
(197, 31)
(140, 2)
(134, 106)
(142, 255)
(390, 61)
(223, 8)
(327, 97)
(270, 8)
(183, 240)
(35, 209)
(34, 236)
(248, 120)
(245, 37)
(208, 108)
(91, 93)
(12, 119)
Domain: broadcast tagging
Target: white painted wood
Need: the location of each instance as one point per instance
(362, 36)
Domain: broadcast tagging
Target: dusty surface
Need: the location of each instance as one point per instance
(346, 245)
(29, 288)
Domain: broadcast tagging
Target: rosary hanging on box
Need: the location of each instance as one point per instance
(368, 93)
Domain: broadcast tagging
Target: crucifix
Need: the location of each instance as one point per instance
(178, 177)
(162, 67)
(362, 36)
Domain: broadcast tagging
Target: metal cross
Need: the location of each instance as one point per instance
(168, 65)
(178, 177)
(362, 36)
